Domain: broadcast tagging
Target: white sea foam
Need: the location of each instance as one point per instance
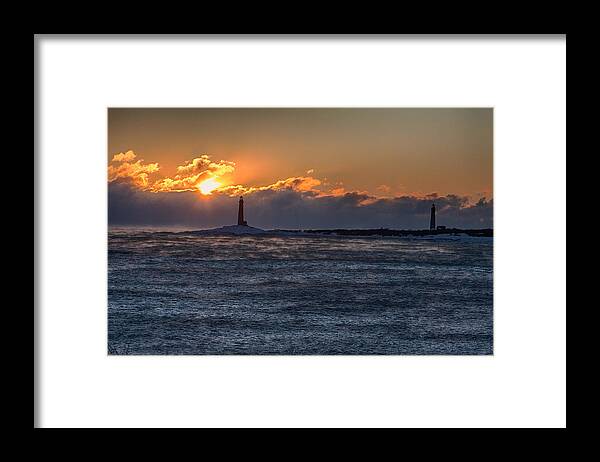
(233, 229)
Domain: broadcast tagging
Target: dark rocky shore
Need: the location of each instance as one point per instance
(487, 232)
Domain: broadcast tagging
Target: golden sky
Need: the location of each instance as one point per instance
(381, 152)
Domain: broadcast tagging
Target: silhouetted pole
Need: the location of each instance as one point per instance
(432, 222)
(241, 212)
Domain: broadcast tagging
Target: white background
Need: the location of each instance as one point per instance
(523, 384)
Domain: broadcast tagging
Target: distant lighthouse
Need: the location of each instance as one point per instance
(432, 221)
(241, 221)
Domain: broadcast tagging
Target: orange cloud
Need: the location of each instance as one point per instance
(193, 172)
(136, 172)
(298, 183)
(123, 156)
(203, 164)
(187, 178)
(176, 184)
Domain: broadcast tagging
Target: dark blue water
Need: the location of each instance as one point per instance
(183, 293)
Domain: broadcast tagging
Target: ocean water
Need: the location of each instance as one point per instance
(175, 293)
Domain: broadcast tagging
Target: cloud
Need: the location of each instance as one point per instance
(300, 183)
(289, 208)
(299, 202)
(384, 189)
(193, 172)
(203, 164)
(137, 173)
(187, 178)
(123, 157)
(305, 184)
(177, 184)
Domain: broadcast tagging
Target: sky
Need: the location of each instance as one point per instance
(301, 167)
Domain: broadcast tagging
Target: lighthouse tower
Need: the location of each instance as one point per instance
(432, 221)
(241, 221)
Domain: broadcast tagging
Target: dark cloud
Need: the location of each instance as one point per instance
(291, 208)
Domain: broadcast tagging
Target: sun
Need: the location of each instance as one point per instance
(208, 186)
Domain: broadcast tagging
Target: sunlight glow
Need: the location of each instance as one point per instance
(208, 186)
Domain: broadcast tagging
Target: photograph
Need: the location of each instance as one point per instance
(300, 231)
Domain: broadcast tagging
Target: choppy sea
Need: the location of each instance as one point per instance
(184, 293)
